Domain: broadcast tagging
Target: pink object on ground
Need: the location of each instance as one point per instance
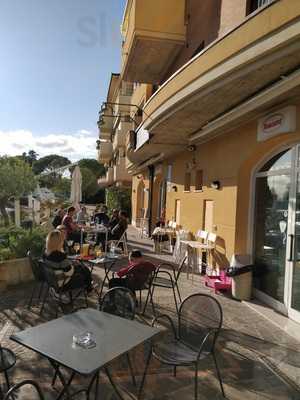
(219, 282)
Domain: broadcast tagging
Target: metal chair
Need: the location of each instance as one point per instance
(167, 279)
(120, 301)
(39, 277)
(15, 390)
(61, 294)
(200, 319)
(7, 361)
(140, 278)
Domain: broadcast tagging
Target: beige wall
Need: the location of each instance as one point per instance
(229, 159)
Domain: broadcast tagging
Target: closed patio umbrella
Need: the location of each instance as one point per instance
(76, 193)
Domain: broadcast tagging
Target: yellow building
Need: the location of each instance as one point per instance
(114, 124)
(218, 141)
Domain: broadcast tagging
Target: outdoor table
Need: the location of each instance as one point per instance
(108, 263)
(114, 336)
(194, 245)
(97, 229)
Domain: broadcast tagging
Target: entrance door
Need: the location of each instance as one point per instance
(277, 233)
(208, 215)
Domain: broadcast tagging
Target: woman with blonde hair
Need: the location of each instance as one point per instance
(69, 275)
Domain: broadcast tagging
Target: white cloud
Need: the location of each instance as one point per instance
(81, 144)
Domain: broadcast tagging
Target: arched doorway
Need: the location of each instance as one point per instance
(159, 198)
(277, 232)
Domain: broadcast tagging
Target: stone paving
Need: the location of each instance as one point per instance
(257, 359)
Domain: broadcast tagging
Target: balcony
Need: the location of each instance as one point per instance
(105, 153)
(120, 172)
(120, 135)
(107, 180)
(154, 32)
(106, 127)
(244, 73)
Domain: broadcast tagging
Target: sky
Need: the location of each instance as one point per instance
(56, 57)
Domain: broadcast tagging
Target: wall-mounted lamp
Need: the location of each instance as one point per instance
(174, 188)
(139, 176)
(215, 185)
(98, 144)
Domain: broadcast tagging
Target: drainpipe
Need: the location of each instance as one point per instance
(151, 180)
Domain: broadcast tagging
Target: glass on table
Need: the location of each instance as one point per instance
(76, 247)
(98, 251)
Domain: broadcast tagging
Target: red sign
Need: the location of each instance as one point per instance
(273, 122)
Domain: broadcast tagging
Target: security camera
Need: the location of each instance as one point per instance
(191, 147)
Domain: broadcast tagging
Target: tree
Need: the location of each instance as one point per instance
(119, 198)
(62, 188)
(89, 183)
(92, 165)
(30, 158)
(50, 163)
(16, 180)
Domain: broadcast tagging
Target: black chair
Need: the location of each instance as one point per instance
(120, 301)
(200, 319)
(167, 276)
(140, 279)
(7, 361)
(59, 293)
(39, 277)
(15, 390)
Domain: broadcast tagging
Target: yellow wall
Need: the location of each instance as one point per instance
(229, 159)
(265, 23)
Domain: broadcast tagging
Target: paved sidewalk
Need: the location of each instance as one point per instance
(257, 359)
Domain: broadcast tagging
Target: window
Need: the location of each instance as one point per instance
(187, 182)
(199, 180)
(255, 4)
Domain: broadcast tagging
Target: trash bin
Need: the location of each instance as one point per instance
(241, 275)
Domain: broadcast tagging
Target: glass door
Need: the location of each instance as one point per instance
(277, 232)
(293, 259)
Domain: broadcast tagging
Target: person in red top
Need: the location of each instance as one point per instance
(72, 229)
(135, 275)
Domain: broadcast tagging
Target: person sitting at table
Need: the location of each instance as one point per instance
(82, 216)
(72, 229)
(70, 275)
(102, 217)
(116, 232)
(57, 220)
(135, 274)
(114, 220)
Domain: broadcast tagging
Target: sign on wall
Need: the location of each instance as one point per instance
(281, 121)
(142, 137)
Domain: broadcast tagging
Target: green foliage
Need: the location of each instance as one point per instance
(16, 242)
(49, 163)
(16, 178)
(89, 183)
(93, 165)
(119, 198)
(6, 254)
(62, 188)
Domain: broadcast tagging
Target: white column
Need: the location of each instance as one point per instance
(17, 212)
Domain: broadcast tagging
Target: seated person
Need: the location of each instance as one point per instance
(70, 275)
(116, 232)
(114, 219)
(72, 229)
(102, 217)
(135, 275)
(82, 216)
(57, 220)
